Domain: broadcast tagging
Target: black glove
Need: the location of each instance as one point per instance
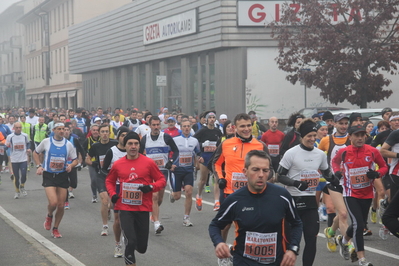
(371, 174)
(335, 181)
(146, 188)
(114, 198)
(168, 165)
(338, 175)
(222, 182)
(301, 185)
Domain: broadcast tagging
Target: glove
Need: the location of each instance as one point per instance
(335, 181)
(222, 182)
(338, 175)
(146, 188)
(168, 165)
(371, 174)
(114, 198)
(301, 185)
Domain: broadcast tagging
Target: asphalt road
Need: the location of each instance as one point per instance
(24, 241)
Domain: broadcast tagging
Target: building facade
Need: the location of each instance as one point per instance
(49, 82)
(190, 56)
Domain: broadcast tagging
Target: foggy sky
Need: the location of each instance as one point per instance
(4, 4)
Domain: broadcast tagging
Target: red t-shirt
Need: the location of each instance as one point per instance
(273, 141)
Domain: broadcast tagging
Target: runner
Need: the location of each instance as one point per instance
(144, 129)
(98, 151)
(257, 128)
(112, 155)
(291, 139)
(157, 146)
(40, 131)
(250, 208)
(207, 137)
(55, 174)
(19, 146)
(172, 130)
(273, 138)
(299, 171)
(132, 122)
(139, 177)
(184, 172)
(358, 164)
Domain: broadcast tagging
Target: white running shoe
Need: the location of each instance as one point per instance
(71, 196)
(118, 253)
(384, 232)
(94, 199)
(187, 222)
(104, 232)
(226, 261)
(16, 196)
(343, 248)
(23, 192)
(383, 207)
(364, 262)
(158, 227)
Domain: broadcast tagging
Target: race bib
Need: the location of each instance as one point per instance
(159, 160)
(312, 177)
(19, 146)
(359, 177)
(131, 195)
(57, 164)
(209, 146)
(185, 159)
(101, 158)
(238, 181)
(1, 150)
(274, 150)
(261, 247)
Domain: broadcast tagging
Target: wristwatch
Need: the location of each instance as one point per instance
(39, 165)
(294, 249)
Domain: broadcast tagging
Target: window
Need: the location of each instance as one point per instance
(67, 13)
(63, 15)
(59, 17)
(64, 59)
(55, 61)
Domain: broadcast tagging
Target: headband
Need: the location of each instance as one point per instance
(209, 114)
(59, 125)
(393, 117)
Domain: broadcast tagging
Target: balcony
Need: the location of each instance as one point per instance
(14, 79)
(16, 42)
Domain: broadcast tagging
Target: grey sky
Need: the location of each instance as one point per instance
(4, 4)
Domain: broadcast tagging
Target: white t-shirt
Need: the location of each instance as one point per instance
(17, 145)
(33, 121)
(11, 127)
(304, 165)
(143, 130)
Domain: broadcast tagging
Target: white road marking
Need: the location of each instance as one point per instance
(71, 260)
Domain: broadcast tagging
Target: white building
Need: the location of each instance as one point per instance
(46, 49)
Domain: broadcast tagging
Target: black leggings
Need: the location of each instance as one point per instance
(135, 227)
(18, 168)
(358, 210)
(311, 226)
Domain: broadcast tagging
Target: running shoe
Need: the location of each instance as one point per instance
(364, 262)
(198, 203)
(48, 222)
(373, 215)
(104, 232)
(56, 234)
(171, 198)
(353, 253)
(23, 192)
(28, 168)
(158, 228)
(118, 253)
(12, 177)
(383, 233)
(66, 207)
(383, 206)
(367, 232)
(343, 248)
(216, 207)
(71, 196)
(16, 196)
(207, 189)
(7, 170)
(94, 199)
(225, 262)
(186, 222)
(331, 244)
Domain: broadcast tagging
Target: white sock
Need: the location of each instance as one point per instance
(344, 241)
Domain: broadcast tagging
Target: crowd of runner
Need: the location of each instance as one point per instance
(332, 167)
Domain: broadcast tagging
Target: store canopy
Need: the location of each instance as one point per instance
(71, 93)
(62, 94)
(54, 95)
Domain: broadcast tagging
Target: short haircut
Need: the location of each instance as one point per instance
(116, 115)
(154, 118)
(62, 115)
(102, 126)
(251, 113)
(383, 123)
(93, 125)
(257, 153)
(133, 112)
(67, 124)
(242, 116)
(147, 114)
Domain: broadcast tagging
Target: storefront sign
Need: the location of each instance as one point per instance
(172, 27)
(261, 13)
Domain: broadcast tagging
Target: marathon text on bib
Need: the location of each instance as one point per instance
(238, 180)
(131, 195)
(358, 177)
(312, 177)
(274, 150)
(261, 247)
(185, 159)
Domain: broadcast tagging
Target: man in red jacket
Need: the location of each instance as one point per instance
(139, 176)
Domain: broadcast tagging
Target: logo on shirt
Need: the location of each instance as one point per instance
(367, 159)
(308, 160)
(247, 209)
(133, 176)
(132, 169)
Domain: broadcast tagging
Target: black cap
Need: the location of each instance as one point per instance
(353, 117)
(386, 110)
(356, 129)
(327, 115)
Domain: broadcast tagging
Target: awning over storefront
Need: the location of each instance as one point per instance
(34, 97)
(28, 97)
(62, 94)
(54, 95)
(71, 93)
(40, 96)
